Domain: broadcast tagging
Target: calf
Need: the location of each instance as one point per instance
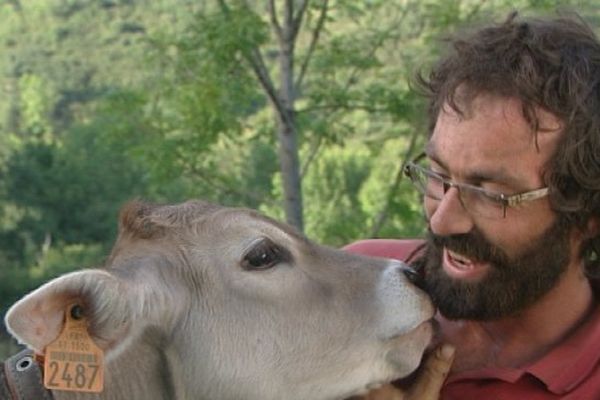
(199, 301)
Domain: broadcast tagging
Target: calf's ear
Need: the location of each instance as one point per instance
(38, 318)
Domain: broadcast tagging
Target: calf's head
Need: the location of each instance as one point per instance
(198, 301)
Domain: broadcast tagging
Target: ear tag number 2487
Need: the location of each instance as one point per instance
(73, 361)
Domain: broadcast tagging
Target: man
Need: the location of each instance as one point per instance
(510, 179)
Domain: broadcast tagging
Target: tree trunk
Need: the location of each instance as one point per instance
(287, 130)
(290, 172)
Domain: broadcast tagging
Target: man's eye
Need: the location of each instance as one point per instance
(488, 199)
(264, 255)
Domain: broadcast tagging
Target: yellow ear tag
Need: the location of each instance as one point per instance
(73, 361)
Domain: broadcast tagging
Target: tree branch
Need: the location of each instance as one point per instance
(313, 44)
(311, 156)
(256, 61)
(288, 14)
(257, 64)
(347, 107)
(378, 43)
(274, 20)
(297, 19)
(383, 214)
(224, 7)
(218, 183)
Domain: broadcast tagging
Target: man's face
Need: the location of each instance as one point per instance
(485, 268)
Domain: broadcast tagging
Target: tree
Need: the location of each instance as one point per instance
(227, 44)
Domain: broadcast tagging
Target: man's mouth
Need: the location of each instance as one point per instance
(459, 266)
(460, 260)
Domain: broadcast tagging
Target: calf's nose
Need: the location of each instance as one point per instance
(414, 276)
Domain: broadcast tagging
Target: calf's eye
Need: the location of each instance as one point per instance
(264, 255)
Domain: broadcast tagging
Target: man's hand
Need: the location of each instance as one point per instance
(427, 385)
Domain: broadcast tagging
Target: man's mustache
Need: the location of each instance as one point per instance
(472, 245)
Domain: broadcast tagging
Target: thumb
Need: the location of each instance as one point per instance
(435, 370)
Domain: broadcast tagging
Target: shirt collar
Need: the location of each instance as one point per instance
(563, 368)
(573, 360)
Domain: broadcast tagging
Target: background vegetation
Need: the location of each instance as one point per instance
(108, 100)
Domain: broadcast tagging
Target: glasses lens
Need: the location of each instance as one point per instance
(474, 200)
(478, 202)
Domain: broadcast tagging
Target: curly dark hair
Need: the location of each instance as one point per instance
(551, 64)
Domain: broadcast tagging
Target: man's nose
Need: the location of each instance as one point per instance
(448, 216)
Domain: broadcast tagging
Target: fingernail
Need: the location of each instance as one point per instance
(446, 352)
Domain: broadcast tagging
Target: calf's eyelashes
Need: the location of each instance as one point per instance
(264, 254)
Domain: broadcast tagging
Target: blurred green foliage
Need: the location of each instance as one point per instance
(108, 100)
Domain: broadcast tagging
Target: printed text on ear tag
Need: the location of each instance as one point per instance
(73, 361)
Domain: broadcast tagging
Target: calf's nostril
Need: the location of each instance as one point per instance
(414, 276)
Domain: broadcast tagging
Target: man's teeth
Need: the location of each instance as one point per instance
(459, 258)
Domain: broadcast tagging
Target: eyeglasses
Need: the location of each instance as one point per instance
(474, 199)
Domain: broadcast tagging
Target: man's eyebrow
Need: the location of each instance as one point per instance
(430, 153)
(493, 175)
(432, 157)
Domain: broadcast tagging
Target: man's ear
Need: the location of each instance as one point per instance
(37, 319)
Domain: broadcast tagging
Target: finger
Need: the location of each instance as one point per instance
(434, 373)
(386, 392)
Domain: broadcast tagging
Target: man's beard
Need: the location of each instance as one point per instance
(510, 285)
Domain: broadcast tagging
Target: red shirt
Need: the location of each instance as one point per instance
(570, 371)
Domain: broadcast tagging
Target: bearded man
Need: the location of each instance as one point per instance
(510, 179)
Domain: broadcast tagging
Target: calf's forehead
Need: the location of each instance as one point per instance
(138, 218)
(171, 230)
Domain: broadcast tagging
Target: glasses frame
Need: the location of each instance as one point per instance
(501, 199)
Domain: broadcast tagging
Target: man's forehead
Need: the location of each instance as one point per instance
(493, 142)
(505, 114)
